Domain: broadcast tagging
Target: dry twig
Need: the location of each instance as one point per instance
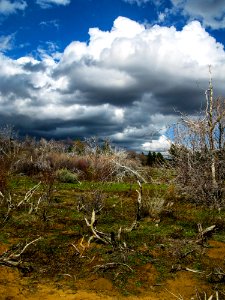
(204, 233)
(101, 236)
(13, 259)
(111, 265)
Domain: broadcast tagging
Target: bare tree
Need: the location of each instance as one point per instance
(198, 151)
(9, 150)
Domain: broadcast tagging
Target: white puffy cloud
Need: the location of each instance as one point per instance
(211, 13)
(48, 3)
(8, 7)
(162, 144)
(123, 84)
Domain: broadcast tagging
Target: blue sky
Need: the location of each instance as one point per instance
(117, 69)
(38, 24)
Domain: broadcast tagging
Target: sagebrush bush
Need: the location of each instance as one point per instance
(43, 159)
(153, 205)
(27, 167)
(66, 176)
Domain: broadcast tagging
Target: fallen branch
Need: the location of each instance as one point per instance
(111, 265)
(179, 297)
(132, 171)
(101, 236)
(122, 245)
(132, 227)
(13, 259)
(12, 205)
(203, 234)
(193, 271)
(206, 297)
(29, 194)
(217, 275)
(80, 252)
(219, 271)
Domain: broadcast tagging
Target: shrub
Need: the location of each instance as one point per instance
(66, 176)
(154, 207)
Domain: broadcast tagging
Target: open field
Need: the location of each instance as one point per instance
(161, 256)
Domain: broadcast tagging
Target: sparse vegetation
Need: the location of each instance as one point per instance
(90, 210)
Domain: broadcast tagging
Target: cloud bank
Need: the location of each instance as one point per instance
(124, 84)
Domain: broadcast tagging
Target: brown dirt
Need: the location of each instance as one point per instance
(217, 251)
(183, 284)
(15, 287)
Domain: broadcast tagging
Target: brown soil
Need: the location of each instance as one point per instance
(217, 251)
(14, 287)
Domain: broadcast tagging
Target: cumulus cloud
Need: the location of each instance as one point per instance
(125, 84)
(8, 7)
(158, 145)
(211, 13)
(48, 3)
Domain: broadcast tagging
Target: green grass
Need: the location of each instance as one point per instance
(220, 237)
(24, 183)
(108, 186)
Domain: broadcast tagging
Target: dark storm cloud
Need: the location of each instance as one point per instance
(18, 85)
(181, 98)
(124, 84)
(34, 67)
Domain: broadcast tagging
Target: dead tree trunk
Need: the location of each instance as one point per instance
(211, 125)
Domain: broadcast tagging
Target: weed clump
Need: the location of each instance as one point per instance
(66, 176)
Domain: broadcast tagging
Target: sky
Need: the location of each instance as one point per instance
(116, 69)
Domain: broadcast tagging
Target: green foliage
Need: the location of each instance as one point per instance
(78, 147)
(154, 158)
(66, 176)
